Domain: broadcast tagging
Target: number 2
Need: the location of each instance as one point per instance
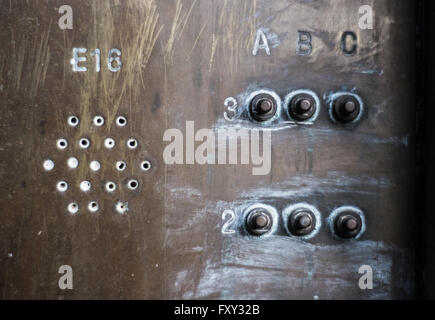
(226, 228)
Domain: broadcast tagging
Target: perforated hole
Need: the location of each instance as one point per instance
(95, 165)
(109, 143)
(84, 143)
(98, 121)
(73, 163)
(121, 121)
(132, 143)
(121, 207)
(132, 184)
(73, 208)
(121, 165)
(145, 165)
(85, 186)
(110, 186)
(62, 144)
(62, 186)
(48, 165)
(73, 121)
(93, 206)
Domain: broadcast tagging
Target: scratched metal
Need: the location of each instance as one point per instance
(181, 60)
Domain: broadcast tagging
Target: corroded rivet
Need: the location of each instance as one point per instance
(349, 107)
(304, 221)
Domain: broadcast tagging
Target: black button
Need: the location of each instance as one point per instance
(346, 108)
(302, 107)
(263, 107)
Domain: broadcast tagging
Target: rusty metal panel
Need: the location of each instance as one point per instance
(184, 235)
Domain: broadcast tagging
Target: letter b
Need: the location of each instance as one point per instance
(304, 43)
(255, 309)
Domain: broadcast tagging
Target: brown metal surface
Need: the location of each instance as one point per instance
(181, 60)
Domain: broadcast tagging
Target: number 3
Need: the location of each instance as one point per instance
(231, 104)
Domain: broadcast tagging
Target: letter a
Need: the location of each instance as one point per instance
(263, 45)
(66, 281)
(66, 21)
(366, 280)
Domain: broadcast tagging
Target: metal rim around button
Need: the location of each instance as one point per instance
(263, 106)
(260, 220)
(293, 213)
(347, 223)
(346, 108)
(291, 105)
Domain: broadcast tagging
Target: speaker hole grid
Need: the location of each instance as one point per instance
(72, 162)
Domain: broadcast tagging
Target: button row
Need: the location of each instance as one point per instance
(303, 106)
(304, 221)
